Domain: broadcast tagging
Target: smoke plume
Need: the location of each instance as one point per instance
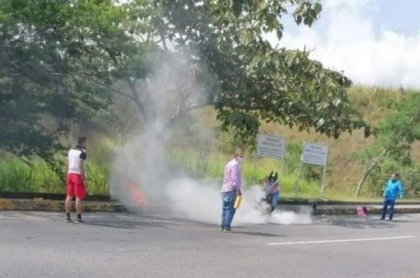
(144, 179)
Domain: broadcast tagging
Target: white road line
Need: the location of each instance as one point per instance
(339, 240)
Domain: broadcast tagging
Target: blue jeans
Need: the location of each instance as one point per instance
(391, 204)
(273, 200)
(228, 199)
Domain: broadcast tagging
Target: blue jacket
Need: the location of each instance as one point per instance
(393, 189)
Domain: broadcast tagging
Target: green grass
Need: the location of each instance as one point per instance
(343, 171)
(17, 176)
(212, 166)
(97, 175)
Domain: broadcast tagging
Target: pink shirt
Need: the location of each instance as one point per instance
(232, 177)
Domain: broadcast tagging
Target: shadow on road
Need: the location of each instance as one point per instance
(112, 220)
(370, 222)
(125, 224)
(249, 233)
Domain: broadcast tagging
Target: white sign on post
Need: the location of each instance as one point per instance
(315, 154)
(271, 146)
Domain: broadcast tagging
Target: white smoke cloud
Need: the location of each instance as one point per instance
(195, 200)
(347, 41)
(144, 179)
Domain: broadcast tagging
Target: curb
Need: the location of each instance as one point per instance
(49, 196)
(348, 210)
(39, 204)
(297, 201)
(56, 206)
(370, 210)
(285, 201)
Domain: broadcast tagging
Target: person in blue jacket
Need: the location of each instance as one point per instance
(393, 190)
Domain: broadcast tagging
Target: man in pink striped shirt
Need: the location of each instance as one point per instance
(231, 187)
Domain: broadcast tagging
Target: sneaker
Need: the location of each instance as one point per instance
(227, 230)
(80, 221)
(67, 220)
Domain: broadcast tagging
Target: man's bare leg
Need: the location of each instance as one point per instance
(79, 209)
(69, 199)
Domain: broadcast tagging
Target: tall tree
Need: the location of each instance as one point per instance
(249, 79)
(64, 58)
(394, 135)
(41, 90)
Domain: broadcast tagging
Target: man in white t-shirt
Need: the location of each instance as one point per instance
(76, 178)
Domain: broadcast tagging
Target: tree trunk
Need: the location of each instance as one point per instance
(369, 169)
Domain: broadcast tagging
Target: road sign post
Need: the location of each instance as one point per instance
(254, 168)
(271, 147)
(316, 155)
(298, 178)
(323, 181)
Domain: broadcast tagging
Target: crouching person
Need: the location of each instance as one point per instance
(272, 190)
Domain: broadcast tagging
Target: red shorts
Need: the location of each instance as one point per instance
(76, 186)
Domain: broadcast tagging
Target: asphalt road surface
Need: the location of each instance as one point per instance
(123, 246)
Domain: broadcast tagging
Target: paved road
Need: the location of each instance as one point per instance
(125, 246)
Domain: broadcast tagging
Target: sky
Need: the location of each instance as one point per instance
(374, 42)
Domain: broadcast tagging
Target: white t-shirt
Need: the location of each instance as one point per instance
(74, 157)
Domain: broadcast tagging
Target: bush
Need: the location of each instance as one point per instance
(16, 175)
(409, 172)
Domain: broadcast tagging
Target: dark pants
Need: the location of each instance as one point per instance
(228, 199)
(390, 204)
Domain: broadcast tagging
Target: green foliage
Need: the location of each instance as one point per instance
(251, 79)
(402, 126)
(63, 59)
(399, 130)
(215, 163)
(395, 136)
(40, 90)
(17, 176)
(63, 62)
(98, 176)
(409, 172)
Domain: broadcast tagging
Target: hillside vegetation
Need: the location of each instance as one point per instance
(345, 164)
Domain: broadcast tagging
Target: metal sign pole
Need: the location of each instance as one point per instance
(255, 160)
(323, 176)
(298, 179)
(323, 181)
(282, 171)
(300, 171)
(255, 168)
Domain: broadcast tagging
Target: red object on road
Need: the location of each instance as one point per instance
(361, 211)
